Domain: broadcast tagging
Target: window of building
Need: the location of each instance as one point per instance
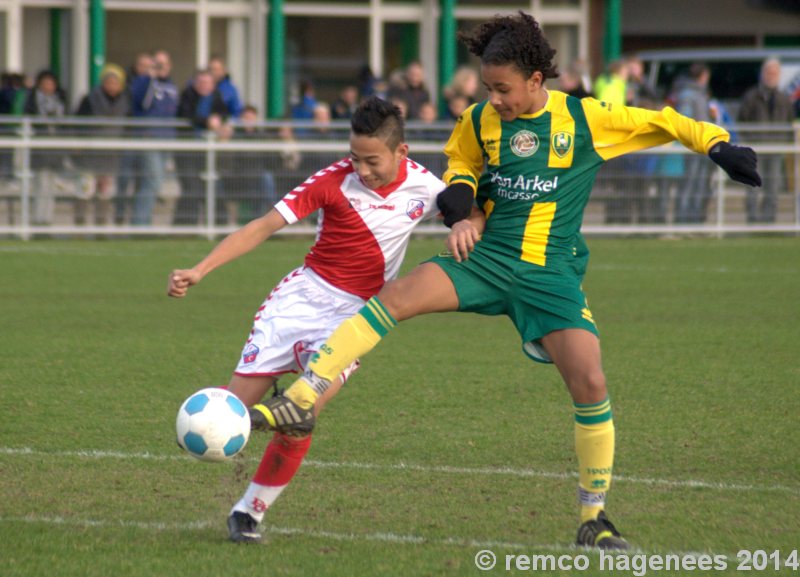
(400, 44)
(329, 52)
(129, 33)
(229, 38)
(564, 39)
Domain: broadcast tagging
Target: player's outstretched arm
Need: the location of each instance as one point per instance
(230, 248)
(465, 233)
(739, 162)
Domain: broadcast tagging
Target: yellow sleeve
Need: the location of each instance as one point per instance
(618, 130)
(464, 153)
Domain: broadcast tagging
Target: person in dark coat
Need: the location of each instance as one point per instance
(99, 168)
(204, 106)
(766, 103)
(46, 100)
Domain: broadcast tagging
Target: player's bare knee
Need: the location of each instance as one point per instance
(589, 387)
(393, 299)
(403, 298)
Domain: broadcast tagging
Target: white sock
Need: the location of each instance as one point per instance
(257, 499)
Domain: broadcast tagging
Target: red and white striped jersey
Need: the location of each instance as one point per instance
(362, 234)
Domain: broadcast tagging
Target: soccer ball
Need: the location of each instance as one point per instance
(213, 425)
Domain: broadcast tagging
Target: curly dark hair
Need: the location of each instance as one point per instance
(514, 40)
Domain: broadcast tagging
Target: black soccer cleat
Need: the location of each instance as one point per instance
(601, 534)
(283, 415)
(242, 528)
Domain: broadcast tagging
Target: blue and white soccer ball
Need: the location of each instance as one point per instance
(213, 425)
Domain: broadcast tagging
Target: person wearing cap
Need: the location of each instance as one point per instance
(99, 168)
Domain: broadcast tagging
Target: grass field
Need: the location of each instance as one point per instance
(447, 442)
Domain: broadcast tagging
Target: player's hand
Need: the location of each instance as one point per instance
(738, 161)
(180, 281)
(461, 240)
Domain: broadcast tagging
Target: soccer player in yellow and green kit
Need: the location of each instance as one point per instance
(528, 157)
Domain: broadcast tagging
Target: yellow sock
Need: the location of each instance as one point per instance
(594, 444)
(302, 394)
(354, 338)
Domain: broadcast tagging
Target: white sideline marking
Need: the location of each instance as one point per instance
(72, 250)
(507, 471)
(201, 525)
(382, 537)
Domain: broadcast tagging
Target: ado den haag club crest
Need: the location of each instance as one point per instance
(562, 143)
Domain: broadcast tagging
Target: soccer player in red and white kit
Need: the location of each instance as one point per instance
(370, 202)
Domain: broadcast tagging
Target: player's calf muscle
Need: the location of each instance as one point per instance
(250, 390)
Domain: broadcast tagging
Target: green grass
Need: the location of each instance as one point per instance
(448, 441)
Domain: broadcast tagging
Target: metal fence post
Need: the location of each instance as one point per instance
(26, 132)
(796, 158)
(211, 182)
(721, 176)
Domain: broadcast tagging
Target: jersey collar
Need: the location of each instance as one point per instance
(387, 189)
(542, 110)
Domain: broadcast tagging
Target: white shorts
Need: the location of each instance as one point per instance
(295, 319)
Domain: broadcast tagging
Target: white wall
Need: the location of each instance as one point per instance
(36, 40)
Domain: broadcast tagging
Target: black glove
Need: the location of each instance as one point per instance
(738, 161)
(455, 202)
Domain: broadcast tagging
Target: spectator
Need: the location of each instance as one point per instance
(639, 92)
(692, 100)
(46, 100)
(402, 105)
(638, 195)
(141, 66)
(129, 162)
(425, 129)
(465, 85)
(427, 113)
(456, 106)
(226, 88)
(796, 100)
(304, 110)
(107, 100)
(411, 89)
(581, 68)
(248, 181)
(669, 179)
(290, 174)
(766, 103)
(154, 96)
(319, 131)
(322, 117)
(254, 181)
(13, 93)
(612, 86)
(381, 88)
(344, 106)
(366, 81)
(202, 104)
(570, 82)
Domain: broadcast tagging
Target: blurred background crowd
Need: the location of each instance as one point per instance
(144, 99)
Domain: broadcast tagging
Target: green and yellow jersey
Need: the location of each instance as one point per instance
(533, 175)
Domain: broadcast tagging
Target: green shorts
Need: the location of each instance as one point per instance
(538, 300)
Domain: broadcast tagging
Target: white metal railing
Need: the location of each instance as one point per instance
(23, 140)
